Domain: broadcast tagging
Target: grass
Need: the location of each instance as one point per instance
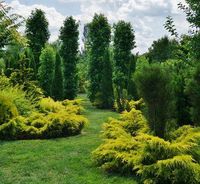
(58, 161)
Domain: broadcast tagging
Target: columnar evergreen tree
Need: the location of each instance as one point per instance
(131, 87)
(100, 69)
(46, 69)
(57, 86)
(37, 33)
(69, 51)
(124, 42)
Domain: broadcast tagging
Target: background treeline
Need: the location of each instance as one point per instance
(166, 76)
(103, 69)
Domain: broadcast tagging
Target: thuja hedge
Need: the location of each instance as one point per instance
(21, 119)
(130, 147)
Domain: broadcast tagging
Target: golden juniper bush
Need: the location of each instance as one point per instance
(129, 146)
(20, 119)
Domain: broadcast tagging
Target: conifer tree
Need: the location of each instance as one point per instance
(57, 86)
(69, 51)
(154, 86)
(124, 42)
(100, 69)
(46, 69)
(37, 33)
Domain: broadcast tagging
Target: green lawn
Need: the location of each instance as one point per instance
(58, 161)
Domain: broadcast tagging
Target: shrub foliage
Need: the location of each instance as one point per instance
(130, 147)
(20, 119)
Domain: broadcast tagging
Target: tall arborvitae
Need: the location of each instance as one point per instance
(124, 42)
(69, 36)
(46, 69)
(37, 33)
(57, 86)
(100, 70)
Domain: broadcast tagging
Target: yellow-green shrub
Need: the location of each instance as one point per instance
(128, 105)
(53, 120)
(47, 105)
(129, 147)
(136, 104)
(73, 106)
(8, 110)
(4, 82)
(41, 126)
(18, 98)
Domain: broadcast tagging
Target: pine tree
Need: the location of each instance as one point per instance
(69, 51)
(100, 69)
(46, 69)
(57, 86)
(153, 84)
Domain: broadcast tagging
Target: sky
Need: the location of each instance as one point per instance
(146, 16)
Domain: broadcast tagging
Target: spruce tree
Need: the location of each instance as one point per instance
(124, 42)
(37, 33)
(69, 51)
(46, 70)
(57, 86)
(100, 69)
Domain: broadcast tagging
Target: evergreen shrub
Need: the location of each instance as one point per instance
(130, 147)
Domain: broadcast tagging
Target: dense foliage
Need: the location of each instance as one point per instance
(123, 44)
(153, 84)
(37, 33)
(100, 69)
(193, 91)
(162, 50)
(156, 137)
(69, 52)
(21, 118)
(46, 69)
(57, 86)
(130, 148)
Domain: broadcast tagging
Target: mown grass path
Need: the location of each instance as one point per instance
(58, 161)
